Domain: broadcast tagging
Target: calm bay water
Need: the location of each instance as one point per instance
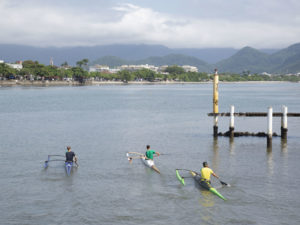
(102, 123)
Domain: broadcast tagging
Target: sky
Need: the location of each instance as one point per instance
(172, 23)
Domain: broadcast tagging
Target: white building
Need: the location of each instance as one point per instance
(139, 67)
(18, 65)
(267, 74)
(99, 68)
(162, 68)
(114, 70)
(188, 68)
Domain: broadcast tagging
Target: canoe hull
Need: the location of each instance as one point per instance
(206, 185)
(69, 166)
(150, 164)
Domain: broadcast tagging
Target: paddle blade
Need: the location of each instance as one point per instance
(180, 178)
(223, 183)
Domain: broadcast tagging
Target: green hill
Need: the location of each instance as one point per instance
(286, 60)
(247, 59)
(111, 61)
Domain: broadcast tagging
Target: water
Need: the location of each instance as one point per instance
(102, 123)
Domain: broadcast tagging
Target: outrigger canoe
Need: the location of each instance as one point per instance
(202, 183)
(206, 185)
(148, 162)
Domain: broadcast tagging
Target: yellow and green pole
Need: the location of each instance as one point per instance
(216, 102)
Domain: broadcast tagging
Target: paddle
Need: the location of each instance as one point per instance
(223, 183)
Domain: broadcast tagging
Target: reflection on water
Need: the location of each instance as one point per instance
(215, 160)
(231, 146)
(270, 160)
(207, 198)
(284, 146)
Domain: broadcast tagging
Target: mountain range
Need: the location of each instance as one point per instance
(231, 60)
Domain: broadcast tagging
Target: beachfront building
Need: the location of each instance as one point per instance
(138, 67)
(18, 65)
(266, 74)
(163, 68)
(188, 68)
(114, 70)
(99, 68)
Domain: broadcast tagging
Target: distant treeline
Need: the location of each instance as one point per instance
(33, 70)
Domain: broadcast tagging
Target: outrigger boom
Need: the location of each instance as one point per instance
(48, 160)
(68, 165)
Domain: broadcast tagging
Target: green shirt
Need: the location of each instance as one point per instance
(149, 154)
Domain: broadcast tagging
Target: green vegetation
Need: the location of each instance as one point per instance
(33, 70)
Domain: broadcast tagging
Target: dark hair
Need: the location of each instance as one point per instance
(148, 146)
(204, 164)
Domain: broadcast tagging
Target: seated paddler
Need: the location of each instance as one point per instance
(206, 172)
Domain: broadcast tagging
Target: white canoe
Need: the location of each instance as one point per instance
(150, 163)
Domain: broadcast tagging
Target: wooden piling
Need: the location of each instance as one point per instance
(284, 127)
(231, 123)
(270, 127)
(216, 102)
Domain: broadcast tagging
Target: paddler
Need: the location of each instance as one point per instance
(70, 156)
(206, 172)
(149, 153)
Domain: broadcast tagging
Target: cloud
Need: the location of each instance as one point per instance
(33, 23)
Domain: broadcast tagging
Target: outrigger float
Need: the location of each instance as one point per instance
(202, 183)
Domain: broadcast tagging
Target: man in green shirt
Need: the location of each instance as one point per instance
(149, 153)
(149, 158)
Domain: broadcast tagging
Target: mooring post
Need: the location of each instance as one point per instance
(270, 127)
(284, 122)
(216, 102)
(231, 123)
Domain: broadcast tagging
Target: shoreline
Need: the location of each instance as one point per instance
(10, 83)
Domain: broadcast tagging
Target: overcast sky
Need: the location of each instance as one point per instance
(173, 23)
